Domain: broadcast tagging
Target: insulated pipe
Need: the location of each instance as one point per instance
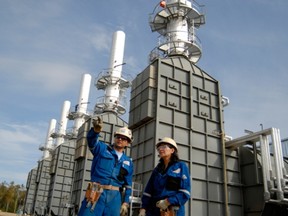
(280, 158)
(225, 101)
(49, 139)
(264, 168)
(279, 155)
(227, 213)
(63, 123)
(224, 161)
(256, 163)
(277, 152)
(268, 162)
(268, 155)
(279, 192)
(278, 137)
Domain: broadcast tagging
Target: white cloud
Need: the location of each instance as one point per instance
(19, 149)
(46, 46)
(18, 136)
(99, 38)
(47, 76)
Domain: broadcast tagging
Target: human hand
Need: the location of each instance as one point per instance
(124, 209)
(142, 212)
(97, 124)
(163, 204)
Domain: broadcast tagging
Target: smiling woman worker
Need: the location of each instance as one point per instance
(169, 185)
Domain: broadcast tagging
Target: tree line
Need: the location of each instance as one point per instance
(12, 197)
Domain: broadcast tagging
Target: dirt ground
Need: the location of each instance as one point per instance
(7, 214)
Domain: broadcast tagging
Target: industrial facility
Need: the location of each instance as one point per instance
(171, 97)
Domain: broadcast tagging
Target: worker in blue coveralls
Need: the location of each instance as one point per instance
(168, 188)
(111, 171)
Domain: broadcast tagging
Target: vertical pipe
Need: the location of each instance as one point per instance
(280, 159)
(278, 138)
(277, 167)
(265, 168)
(256, 163)
(224, 159)
(225, 174)
(268, 162)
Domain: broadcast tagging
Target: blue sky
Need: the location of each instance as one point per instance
(46, 47)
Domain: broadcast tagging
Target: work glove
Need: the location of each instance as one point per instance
(142, 212)
(124, 209)
(97, 124)
(163, 204)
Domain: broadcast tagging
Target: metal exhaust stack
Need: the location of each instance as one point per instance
(79, 115)
(111, 81)
(61, 133)
(177, 21)
(48, 145)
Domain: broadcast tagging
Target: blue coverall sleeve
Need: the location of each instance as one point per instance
(183, 194)
(147, 194)
(92, 139)
(128, 183)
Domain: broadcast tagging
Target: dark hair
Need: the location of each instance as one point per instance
(174, 158)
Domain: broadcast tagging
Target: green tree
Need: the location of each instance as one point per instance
(11, 196)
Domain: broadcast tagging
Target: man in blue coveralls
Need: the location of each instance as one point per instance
(111, 172)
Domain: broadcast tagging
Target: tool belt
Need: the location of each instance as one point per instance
(170, 211)
(94, 191)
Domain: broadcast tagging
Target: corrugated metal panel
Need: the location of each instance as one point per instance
(187, 107)
(285, 147)
(30, 193)
(43, 183)
(61, 180)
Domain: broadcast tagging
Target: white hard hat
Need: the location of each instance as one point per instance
(169, 141)
(124, 131)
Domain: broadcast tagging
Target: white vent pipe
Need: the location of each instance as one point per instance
(49, 139)
(63, 123)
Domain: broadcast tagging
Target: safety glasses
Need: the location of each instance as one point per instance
(162, 147)
(121, 137)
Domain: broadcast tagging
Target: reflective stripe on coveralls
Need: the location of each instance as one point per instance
(158, 188)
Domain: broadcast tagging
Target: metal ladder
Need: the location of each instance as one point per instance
(135, 198)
